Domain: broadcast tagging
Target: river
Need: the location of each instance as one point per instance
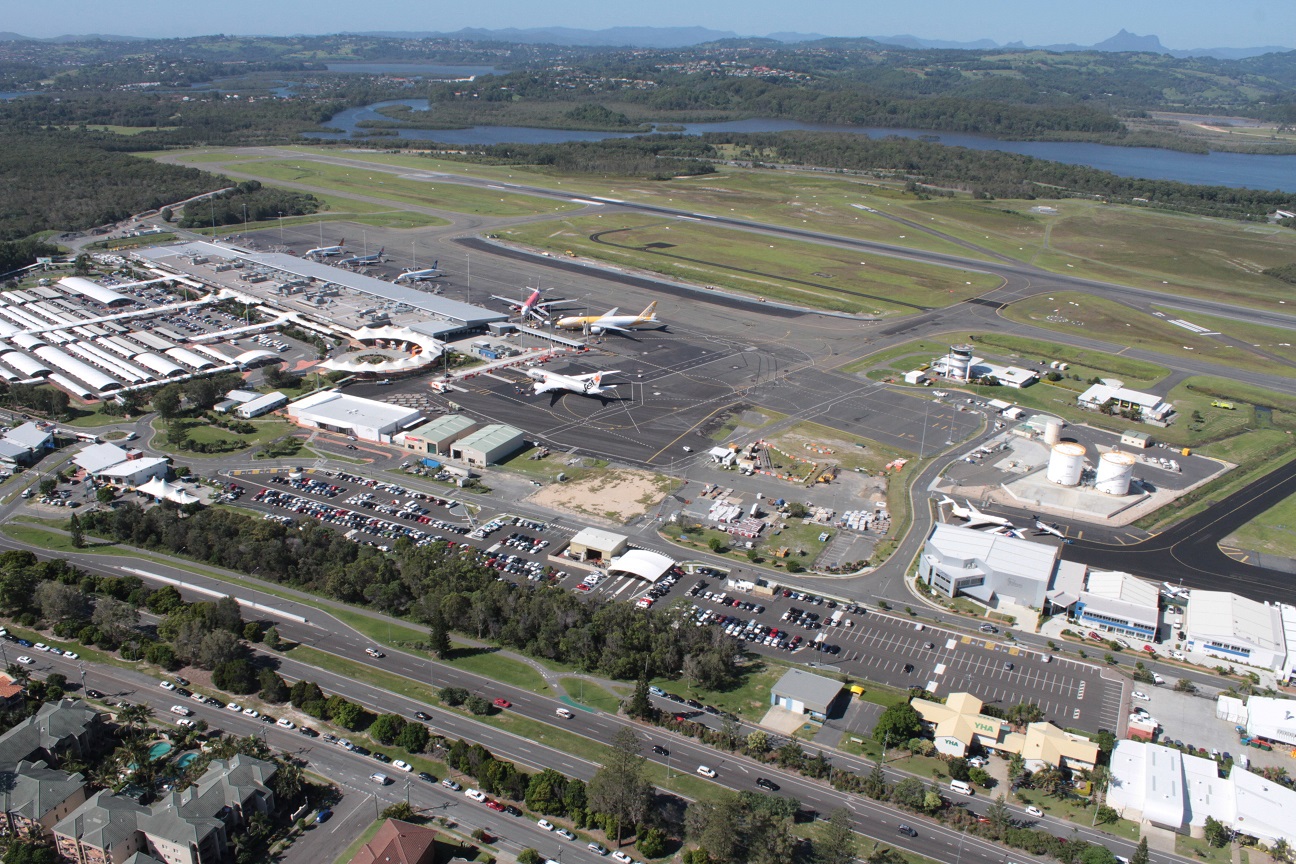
(1240, 170)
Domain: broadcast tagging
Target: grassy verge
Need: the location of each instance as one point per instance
(1082, 314)
(591, 694)
(796, 272)
(1191, 847)
(1076, 811)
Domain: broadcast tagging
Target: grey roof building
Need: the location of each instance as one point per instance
(958, 560)
(38, 797)
(68, 726)
(190, 826)
(805, 693)
(488, 444)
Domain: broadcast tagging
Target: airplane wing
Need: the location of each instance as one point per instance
(547, 387)
(513, 303)
(606, 327)
(592, 375)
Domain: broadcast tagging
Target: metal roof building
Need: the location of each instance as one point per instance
(958, 560)
(437, 435)
(805, 693)
(352, 415)
(595, 544)
(488, 444)
(98, 293)
(642, 563)
(1235, 629)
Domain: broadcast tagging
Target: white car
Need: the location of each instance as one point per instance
(24, 659)
(41, 646)
(623, 857)
(234, 706)
(71, 655)
(475, 795)
(1157, 678)
(565, 834)
(251, 712)
(1141, 696)
(546, 824)
(1036, 812)
(285, 723)
(402, 765)
(709, 773)
(185, 722)
(166, 685)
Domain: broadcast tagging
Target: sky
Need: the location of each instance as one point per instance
(1180, 24)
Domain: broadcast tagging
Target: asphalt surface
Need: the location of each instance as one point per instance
(1189, 551)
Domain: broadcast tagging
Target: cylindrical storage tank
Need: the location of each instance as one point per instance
(1066, 463)
(960, 361)
(1115, 470)
(1052, 432)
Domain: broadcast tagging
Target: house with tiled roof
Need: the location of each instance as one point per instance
(398, 842)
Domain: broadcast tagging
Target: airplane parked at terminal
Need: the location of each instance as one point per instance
(433, 272)
(586, 385)
(597, 324)
(375, 258)
(327, 251)
(974, 517)
(531, 307)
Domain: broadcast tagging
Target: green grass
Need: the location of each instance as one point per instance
(1272, 532)
(46, 539)
(1073, 810)
(1200, 850)
(266, 431)
(455, 197)
(890, 357)
(1079, 314)
(506, 670)
(789, 271)
(591, 694)
(550, 466)
(1133, 372)
(750, 700)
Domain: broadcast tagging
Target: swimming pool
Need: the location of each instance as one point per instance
(158, 750)
(186, 760)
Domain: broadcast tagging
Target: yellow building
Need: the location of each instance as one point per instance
(958, 723)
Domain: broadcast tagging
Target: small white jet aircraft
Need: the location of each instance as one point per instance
(433, 272)
(585, 385)
(327, 251)
(531, 307)
(375, 258)
(1045, 528)
(974, 517)
(597, 324)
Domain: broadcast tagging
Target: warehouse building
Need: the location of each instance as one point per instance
(1150, 406)
(351, 415)
(1161, 787)
(805, 693)
(26, 444)
(436, 436)
(136, 472)
(488, 445)
(988, 567)
(595, 544)
(261, 405)
(94, 458)
(1108, 601)
(1237, 630)
(1274, 720)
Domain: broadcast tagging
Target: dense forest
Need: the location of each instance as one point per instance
(64, 182)
(434, 586)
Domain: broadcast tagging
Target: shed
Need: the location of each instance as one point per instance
(642, 563)
(595, 544)
(488, 445)
(806, 693)
(437, 435)
(917, 376)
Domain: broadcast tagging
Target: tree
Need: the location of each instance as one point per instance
(216, 648)
(758, 744)
(30, 852)
(58, 602)
(273, 688)
(652, 843)
(875, 785)
(999, 815)
(166, 401)
(438, 635)
(413, 738)
(1096, 854)
(235, 676)
(399, 810)
(1107, 815)
(477, 705)
(897, 723)
(640, 706)
(271, 638)
(544, 793)
(74, 529)
(531, 856)
(1279, 851)
(387, 728)
(115, 618)
(1106, 741)
(958, 769)
(1216, 833)
(1016, 768)
(837, 843)
(253, 632)
(909, 792)
(347, 714)
(47, 486)
(1140, 855)
(980, 777)
(619, 789)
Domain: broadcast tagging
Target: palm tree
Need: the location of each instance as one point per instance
(1280, 851)
(133, 717)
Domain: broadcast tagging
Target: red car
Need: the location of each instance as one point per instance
(1149, 649)
(503, 703)
(1093, 634)
(495, 805)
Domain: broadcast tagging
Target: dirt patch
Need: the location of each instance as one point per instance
(618, 496)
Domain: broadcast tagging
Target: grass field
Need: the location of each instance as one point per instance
(266, 431)
(1082, 315)
(454, 197)
(549, 467)
(1272, 532)
(593, 695)
(803, 274)
(1274, 340)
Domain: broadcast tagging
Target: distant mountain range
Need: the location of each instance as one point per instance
(684, 37)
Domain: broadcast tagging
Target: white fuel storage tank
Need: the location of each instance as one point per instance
(1115, 470)
(1066, 463)
(1052, 432)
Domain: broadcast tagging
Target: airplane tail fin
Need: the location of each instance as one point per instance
(650, 311)
(435, 262)
(597, 380)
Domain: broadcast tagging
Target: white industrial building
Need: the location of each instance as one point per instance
(595, 544)
(352, 415)
(94, 458)
(1237, 630)
(642, 563)
(1274, 720)
(26, 444)
(1108, 601)
(136, 472)
(1165, 788)
(261, 405)
(488, 445)
(958, 560)
(1152, 407)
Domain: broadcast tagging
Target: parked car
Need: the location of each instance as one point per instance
(451, 785)
(907, 831)
(767, 785)
(704, 771)
(1036, 812)
(503, 703)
